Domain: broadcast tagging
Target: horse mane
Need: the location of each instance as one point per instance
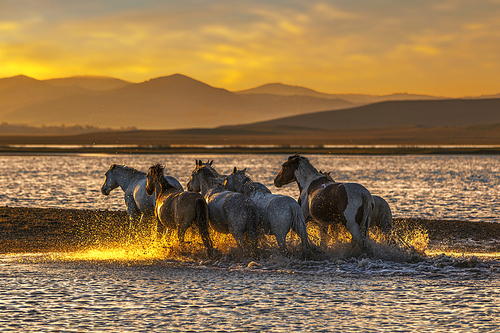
(157, 170)
(244, 172)
(126, 168)
(208, 173)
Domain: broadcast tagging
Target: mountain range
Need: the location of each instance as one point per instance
(180, 102)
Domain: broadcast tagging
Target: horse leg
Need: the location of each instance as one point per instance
(147, 221)
(300, 228)
(323, 234)
(253, 233)
(201, 221)
(160, 229)
(358, 236)
(281, 240)
(181, 231)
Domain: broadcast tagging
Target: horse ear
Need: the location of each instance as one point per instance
(244, 170)
(235, 170)
(212, 161)
(197, 163)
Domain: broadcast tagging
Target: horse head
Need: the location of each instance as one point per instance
(236, 179)
(203, 172)
(110, 182)
(155, 174)
(327, 174)
(287, 172)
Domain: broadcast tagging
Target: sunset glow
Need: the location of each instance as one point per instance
(447, 48)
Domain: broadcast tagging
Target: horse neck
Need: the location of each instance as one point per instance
(161, 186)
(208, 184)
(243, 184)
(305, 174)
(123, 177)
(254, 189)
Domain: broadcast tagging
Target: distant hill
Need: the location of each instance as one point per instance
(93, 83)
(22, 91)
(180, 102)
(169, 102)
(438, 113)
(288, 90)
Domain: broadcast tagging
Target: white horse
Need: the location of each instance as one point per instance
(229, 212)
(327, 201)
(382, 215)
(133, 183)
(279, 213)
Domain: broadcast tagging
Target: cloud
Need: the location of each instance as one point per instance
(330, 46)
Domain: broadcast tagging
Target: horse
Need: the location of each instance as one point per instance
(229, 212)
(279, 213)
(326, 201)
(382, 215)
(176, 208)
(133, 183)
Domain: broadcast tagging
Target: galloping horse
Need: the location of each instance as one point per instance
(133, 183)
(327, 201)
(176, 208)
(279, 213)
(229, 212)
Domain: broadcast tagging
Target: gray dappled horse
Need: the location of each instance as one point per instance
(176, 208)
(229, 212)
(279, 213)
(133, 183)
(327, 201)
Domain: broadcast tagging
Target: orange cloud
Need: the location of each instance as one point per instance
(449, 48)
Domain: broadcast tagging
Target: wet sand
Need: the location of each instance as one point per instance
(49, 229)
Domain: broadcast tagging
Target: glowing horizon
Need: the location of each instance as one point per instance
(446, 48)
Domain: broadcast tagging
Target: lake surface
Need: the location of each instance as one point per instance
(72, 293)
(77, 297)
(463, 187)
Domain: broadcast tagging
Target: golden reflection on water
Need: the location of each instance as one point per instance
(119, 254)
(143, 247)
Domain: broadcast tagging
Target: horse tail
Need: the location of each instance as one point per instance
(252, 227)
(299, 225)
(201, 220)
(368, 206)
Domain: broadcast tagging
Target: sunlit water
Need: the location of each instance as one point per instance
(106, 290)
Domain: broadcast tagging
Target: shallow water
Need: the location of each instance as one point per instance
(463, 187)
(111, 290)
(68, 296)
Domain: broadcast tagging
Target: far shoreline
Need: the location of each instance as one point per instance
(271, 149)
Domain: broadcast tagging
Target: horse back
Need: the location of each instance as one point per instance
(143, 201)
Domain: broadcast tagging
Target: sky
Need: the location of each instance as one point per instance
(436, 47)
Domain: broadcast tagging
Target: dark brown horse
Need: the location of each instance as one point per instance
(178, 209)
(326, 201)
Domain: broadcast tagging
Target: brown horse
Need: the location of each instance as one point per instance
(178, 209)
(326, 201)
